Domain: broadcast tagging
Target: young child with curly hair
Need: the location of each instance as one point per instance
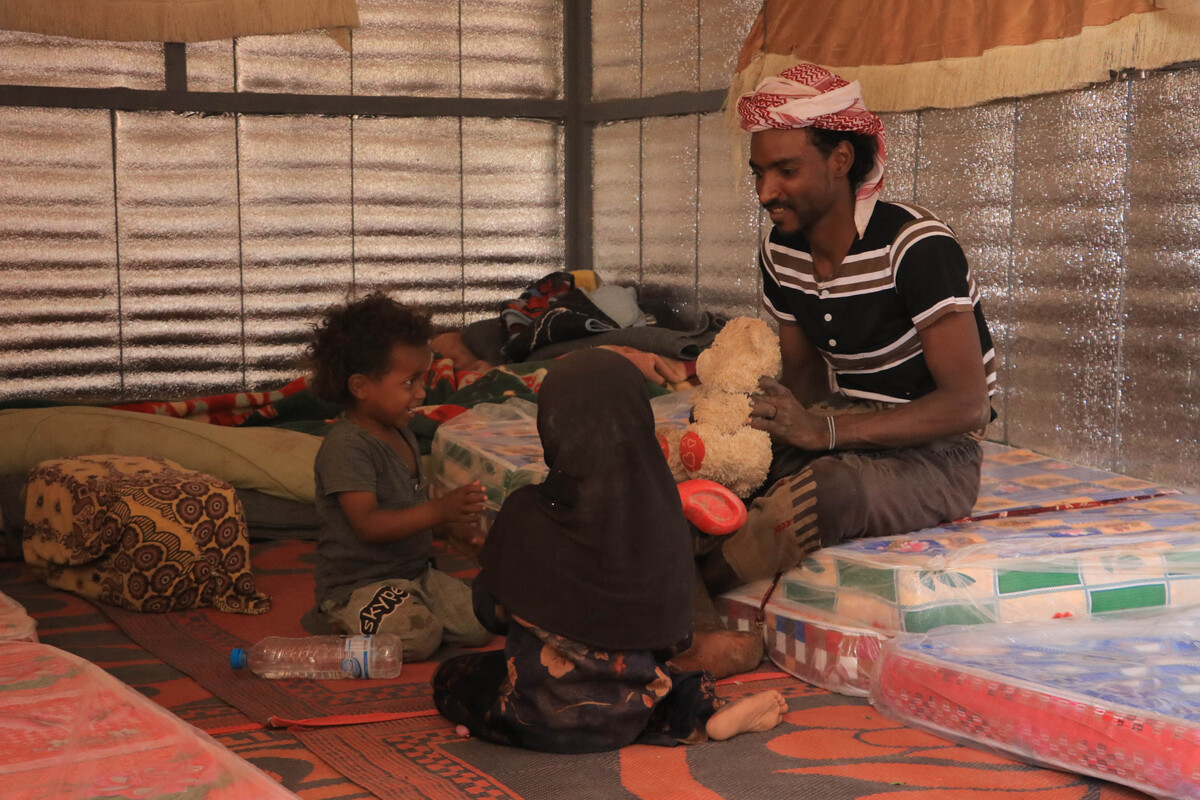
(373, 572)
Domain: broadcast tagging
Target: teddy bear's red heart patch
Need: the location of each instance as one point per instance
(691, 451)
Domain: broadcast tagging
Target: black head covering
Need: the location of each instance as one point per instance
(600, 552)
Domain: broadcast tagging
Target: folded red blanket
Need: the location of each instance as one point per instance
(231, 408)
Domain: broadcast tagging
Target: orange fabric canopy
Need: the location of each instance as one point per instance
(912, 54)
(177, 20)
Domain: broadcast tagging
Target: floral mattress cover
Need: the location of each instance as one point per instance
(1140, 553)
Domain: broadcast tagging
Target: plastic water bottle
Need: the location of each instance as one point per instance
(322, 657)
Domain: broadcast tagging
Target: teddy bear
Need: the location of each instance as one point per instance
(717, 444)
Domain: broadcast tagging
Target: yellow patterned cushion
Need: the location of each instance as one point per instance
(142, 533)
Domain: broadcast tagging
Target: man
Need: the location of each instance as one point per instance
(888, 364)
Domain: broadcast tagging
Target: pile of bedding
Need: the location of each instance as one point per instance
(1046, 540)
(826, 620)
(263, 443)
(1056, 625)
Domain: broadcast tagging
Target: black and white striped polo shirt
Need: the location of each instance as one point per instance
(905, 273)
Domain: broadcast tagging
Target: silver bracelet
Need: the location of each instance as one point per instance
(832, 433)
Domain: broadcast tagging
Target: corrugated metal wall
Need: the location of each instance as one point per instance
(151, 254)
(673, 204)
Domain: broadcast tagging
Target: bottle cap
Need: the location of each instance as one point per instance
(237, 658)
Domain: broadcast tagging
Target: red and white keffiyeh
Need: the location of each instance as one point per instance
(807, 96)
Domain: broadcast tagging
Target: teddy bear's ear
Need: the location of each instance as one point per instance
(741, 352)
(763, 344)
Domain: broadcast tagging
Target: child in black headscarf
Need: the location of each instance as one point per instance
(590, 575)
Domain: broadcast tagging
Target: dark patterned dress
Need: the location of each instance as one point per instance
(545, 692)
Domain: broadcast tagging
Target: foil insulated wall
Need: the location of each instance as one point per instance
(160, 255)
(418, 48)
(512, 206)
(723, 26)
(180, 273)
(669, 214)
(700, 209)
(408, 48)
(726, 270)
(408, 212)
(60, 333)
(617, 202)
(616, 49)
(964, 174)
(28, 59)
(1159, 367)
(900, 179)
(1068, 268)
(654, 48)
(297, 241)
(298, 63)
(236, 232)
(672, 208)
(512, 49)
(670, 48)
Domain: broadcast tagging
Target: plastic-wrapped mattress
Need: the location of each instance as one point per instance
(824, 621)
(1117, 698)
(814, 646)
(1046, 566)
(1016, 480)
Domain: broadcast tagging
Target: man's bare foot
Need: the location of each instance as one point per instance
(723, 653)
(758, 712)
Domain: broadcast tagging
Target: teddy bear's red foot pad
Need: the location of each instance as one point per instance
(711, 507)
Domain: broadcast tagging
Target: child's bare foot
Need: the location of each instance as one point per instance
(758, 712)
